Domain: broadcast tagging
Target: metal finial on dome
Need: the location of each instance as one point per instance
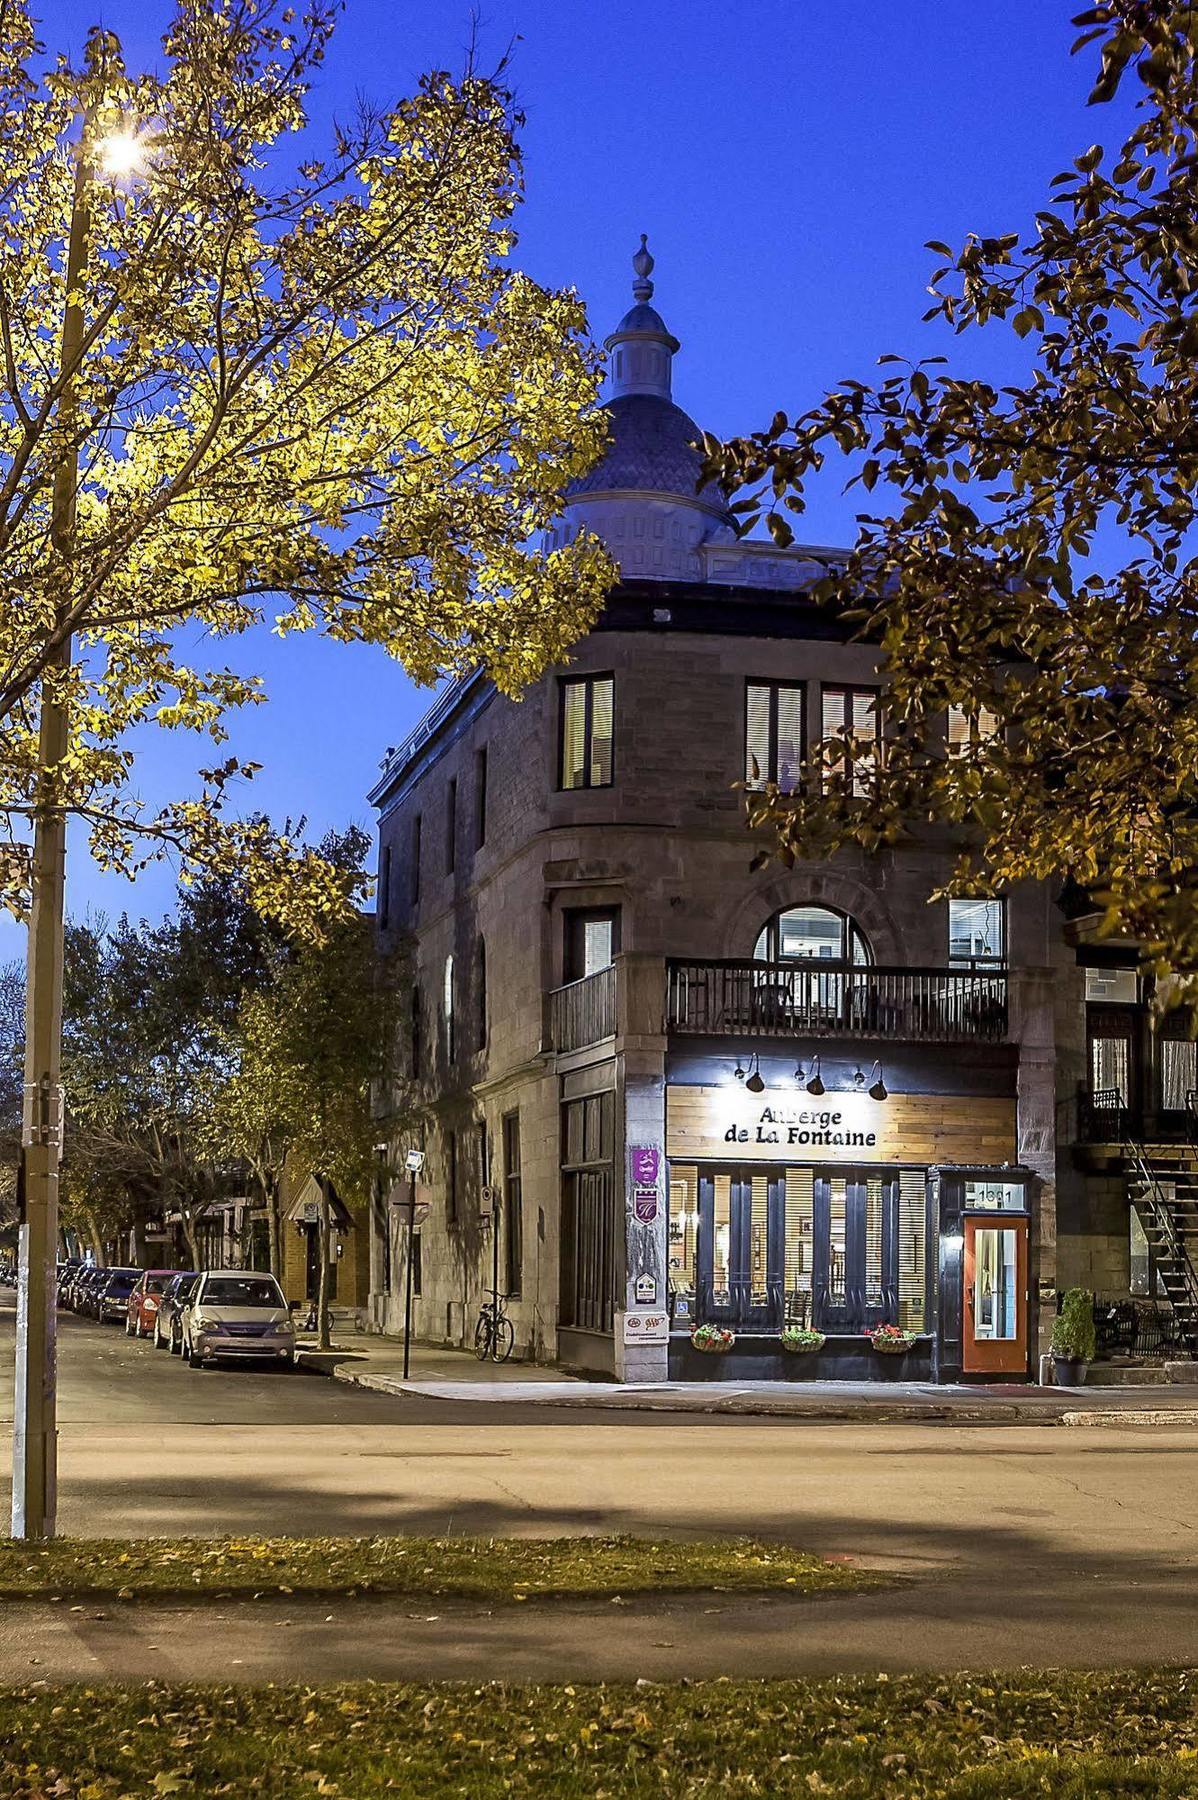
(642, 262)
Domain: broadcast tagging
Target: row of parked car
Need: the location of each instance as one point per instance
(206, 1317)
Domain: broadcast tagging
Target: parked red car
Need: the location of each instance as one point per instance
(143, 1302)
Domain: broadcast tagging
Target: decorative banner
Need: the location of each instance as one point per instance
(730, 1125)
(644, 1205)
(646, 1165)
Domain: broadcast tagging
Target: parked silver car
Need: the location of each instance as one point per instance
(168, 1324)
(237, 1313)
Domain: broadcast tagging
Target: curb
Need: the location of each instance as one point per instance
(1140, 1416)
(860, 1413)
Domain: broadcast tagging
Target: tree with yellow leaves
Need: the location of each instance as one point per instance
(321, 399)
(235, 392)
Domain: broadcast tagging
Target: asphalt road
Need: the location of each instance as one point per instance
(1021, 1544)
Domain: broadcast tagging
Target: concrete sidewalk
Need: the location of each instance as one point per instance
(440, 1373)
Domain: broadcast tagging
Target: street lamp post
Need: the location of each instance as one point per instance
(35, 1432)
(413, 1163)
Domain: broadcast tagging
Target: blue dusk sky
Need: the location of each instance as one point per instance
(788, 161)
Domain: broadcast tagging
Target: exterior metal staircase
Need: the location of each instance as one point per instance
(1163, 1187)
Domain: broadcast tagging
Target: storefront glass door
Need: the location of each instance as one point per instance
(995, 1335)
(854, 1279)
(740, 1255)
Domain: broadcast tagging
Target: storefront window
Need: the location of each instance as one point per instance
(911, 1234)
(721, 1242)
(800, 1241)
(684, 1229)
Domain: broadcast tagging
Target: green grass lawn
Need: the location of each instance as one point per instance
(498, 1569)
(1068, 1736)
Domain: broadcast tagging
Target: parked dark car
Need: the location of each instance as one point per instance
(82, 1286)
(174, 1297)
(110, 1301)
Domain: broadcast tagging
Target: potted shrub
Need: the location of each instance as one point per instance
(801, 1340)
(713, 1340)
(891, 1340)
(1073, 1340)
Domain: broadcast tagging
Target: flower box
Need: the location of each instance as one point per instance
(890, 1340)
(800, 1340)
(713, 1340)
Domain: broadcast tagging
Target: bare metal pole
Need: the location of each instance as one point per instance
(35, 1433)
(407, 1298)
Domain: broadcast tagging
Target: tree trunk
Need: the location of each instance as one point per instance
(93, 1232)
(324, 1235)
(274, 1233)
(193, 1242)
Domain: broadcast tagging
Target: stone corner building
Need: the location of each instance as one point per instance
(659, 1089)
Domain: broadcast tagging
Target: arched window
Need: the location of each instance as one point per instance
(812, 933)
(448, 1005)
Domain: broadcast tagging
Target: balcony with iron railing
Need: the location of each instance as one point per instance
(823, 999)
(779, 1000)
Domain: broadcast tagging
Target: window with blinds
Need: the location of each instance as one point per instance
(587, 727)
(773, 734)
(851, 719)
(683, 1237)
(800, 1242)
(967, 730)
(912, 1266)
(875, 1279)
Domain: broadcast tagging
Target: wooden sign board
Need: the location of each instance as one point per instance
(727, 1124)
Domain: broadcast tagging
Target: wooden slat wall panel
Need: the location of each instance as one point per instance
(907, 1128)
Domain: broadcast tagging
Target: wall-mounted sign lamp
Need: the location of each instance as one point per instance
(815, 1084)
(878, 1089)
(755, 1083)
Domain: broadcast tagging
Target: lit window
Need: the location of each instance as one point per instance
(448, 1005)
(773, 734)
(587, 707)
(851, 717)
(977, 931)
(806, 933)
(967, 730)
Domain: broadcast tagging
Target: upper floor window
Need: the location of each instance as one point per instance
(592, 939)
(447, 1002)
(587, 711)
(967, 730)
(480, 799)
(851, 716)
(414, 866)
(977, 931)
(451, 824)
(812, 933)
(384, 900)
(773, 733)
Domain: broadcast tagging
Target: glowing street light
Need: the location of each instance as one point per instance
(122, 155)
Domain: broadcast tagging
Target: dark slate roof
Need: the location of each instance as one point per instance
(651, 447)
